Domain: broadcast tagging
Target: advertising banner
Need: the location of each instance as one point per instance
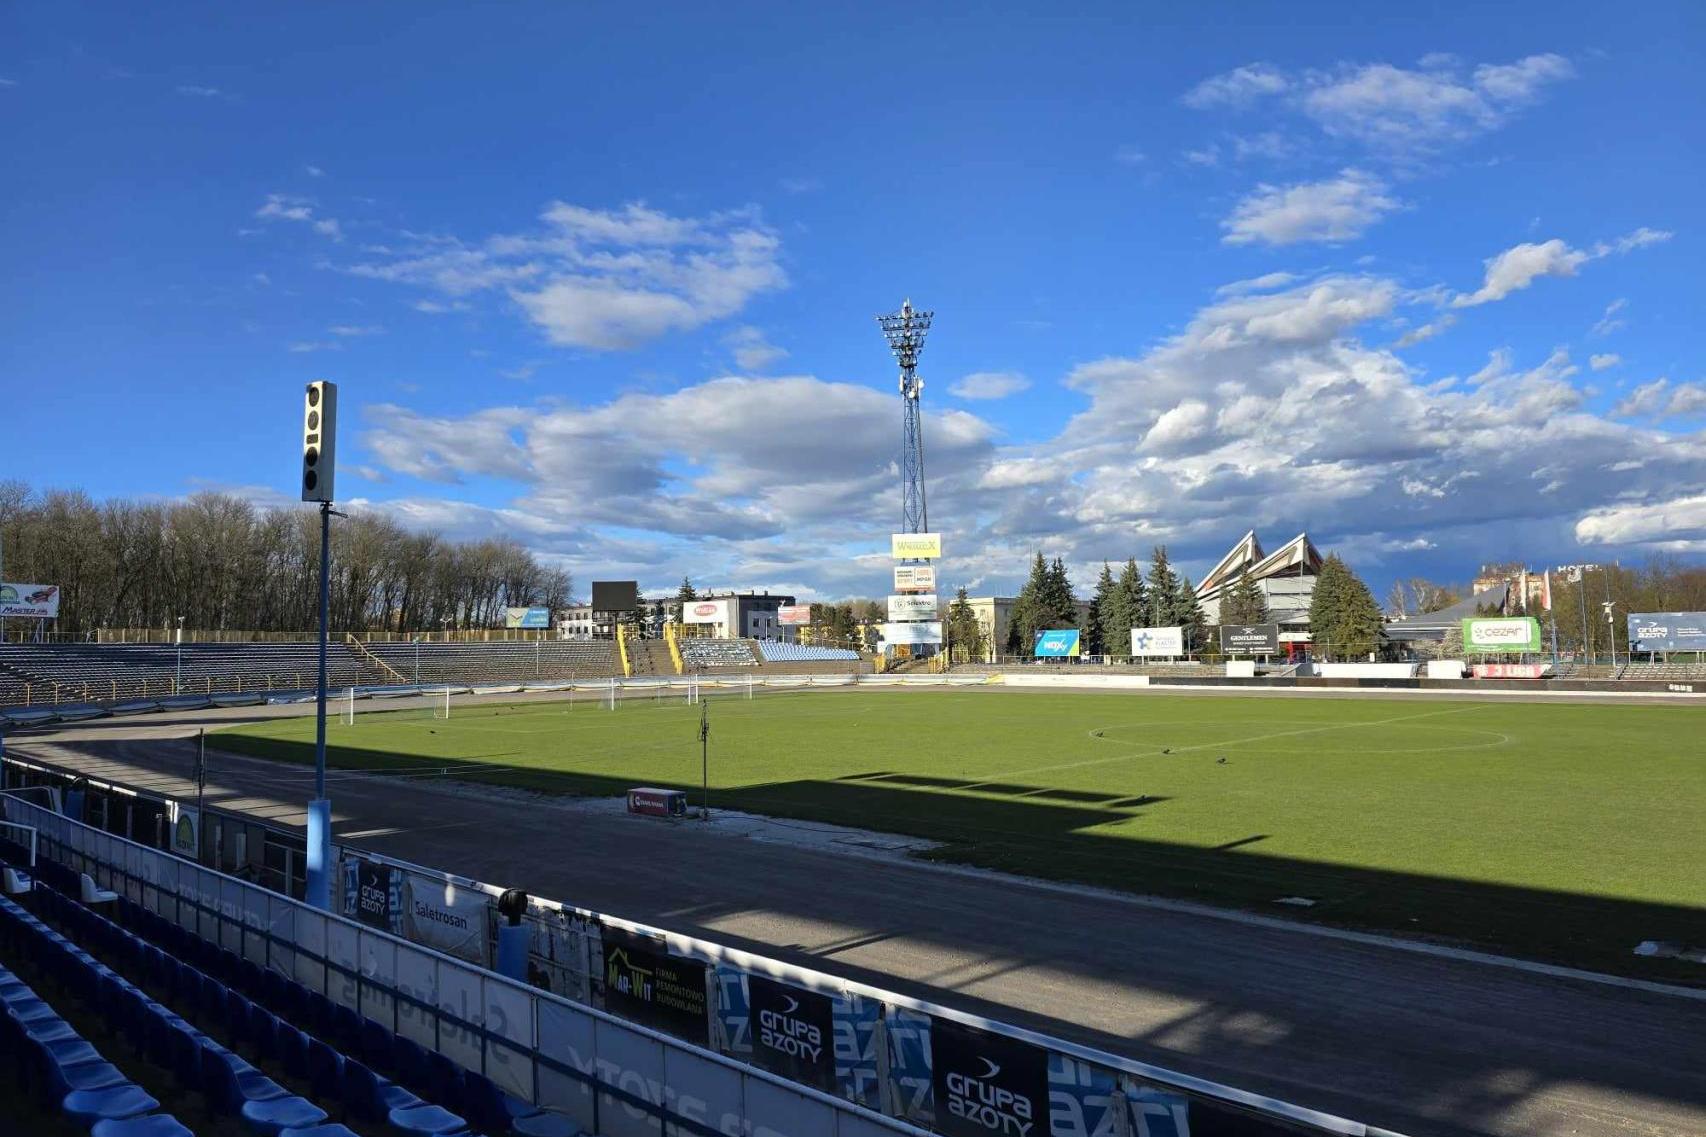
(915, 546)
(1157, 641)
(642, 981)
(1667, 631)
(440, 915)
(915, 578)
(1508, 670)
(793, 1032)
(920, 633)
(1060, 644)
(374, 898)
(987, 1083)
(705, 612)
(32, 601)
(1249, 639)
(913, 606)
(793, 615)
(527, 617)
(1516, 633)
(186, 832)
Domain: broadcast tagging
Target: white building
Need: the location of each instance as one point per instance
(1286, 578)
(739, 615)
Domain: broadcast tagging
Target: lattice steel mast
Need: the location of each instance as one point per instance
(905, 331)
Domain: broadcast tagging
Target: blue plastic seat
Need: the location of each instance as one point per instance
(368, 1097)
(292, 1050)
(329, 1130)
(447, 1078)
(426, 1120)
(153, 1125)
(263, 1031)
(82, 1076)
(109, 1103)
(345, 1030)
(325, 1070)
(378, 1046)
(231, 1083)
(273, 1115)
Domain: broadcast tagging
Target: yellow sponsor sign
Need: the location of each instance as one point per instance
(916, 546)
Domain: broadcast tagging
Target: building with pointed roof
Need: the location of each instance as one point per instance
(1286, 578)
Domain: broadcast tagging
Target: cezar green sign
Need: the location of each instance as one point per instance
(1517, 633)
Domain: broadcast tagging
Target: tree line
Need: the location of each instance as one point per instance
(223, 564)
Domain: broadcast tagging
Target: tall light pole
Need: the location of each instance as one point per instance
(905, 330)
(319, 440)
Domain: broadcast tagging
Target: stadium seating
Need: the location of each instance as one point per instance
(503, 662)
(1664, 671)
(777, 651)
(260, 1048)
(702, 652)
(94, 672)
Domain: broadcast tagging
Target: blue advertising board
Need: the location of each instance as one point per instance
(1061, 644)
(1667, 631)
(527, 618)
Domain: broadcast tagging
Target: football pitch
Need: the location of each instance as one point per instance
(1563, 832)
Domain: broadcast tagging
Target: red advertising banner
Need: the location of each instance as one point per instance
(1508, 670)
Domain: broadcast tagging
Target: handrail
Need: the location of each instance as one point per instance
(672, 637)
(622, 650)
(362, 652)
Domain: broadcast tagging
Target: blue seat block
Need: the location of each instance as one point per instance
(426, 1121)
(332, 1130)
(276, 1114)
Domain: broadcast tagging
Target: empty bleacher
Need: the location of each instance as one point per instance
(96, 672)
(233, 1039)
(1664, 671)
(777, 651)
(703, 653)
(503, 662)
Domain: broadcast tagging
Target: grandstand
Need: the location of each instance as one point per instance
(500, 662)
(700, 652)
(203, 1024)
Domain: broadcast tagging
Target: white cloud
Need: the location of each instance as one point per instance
(1426, 332)
(1610, 321)
(195, 92)
(1204, 156)
(751, 350)
(1267, 282)
(1130, 156)
(314, 171)
(439, 307)
(302, 347)
(989, 385)
(8, 83)
(289, 207)
(353, 330)
(1674, 525)
(1339, 209)
(604, 279)
(1601, 362)
(1238, 87)
(1660, 400)
(1521, 265)
(801, 185)
(1398, 111)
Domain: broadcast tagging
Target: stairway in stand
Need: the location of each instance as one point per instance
(650, 657)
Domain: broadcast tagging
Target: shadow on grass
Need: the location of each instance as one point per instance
(1063, 836)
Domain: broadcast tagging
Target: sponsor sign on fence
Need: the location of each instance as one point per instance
(1508, 670)
(374, 898)
(792, 615)
(643, 982)
(1057, 644)
(793, 1031)
(912, 606)
(987, 1083)
(441, 915)
(1667, 631)
(1249, 639)
(915, 578)
(1515, 633)
(186, 832)
(915, 546)
(31, 601)
(923, 632)
(527, 617)
(1157, 641)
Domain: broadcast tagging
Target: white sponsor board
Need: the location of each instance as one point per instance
(920, 633)
(791, 615)
(915, 578)
(705, 612)
(915, 546)
(186, 831)
(443, 916)
(912, 606)
(1158, 641)
(37, 601)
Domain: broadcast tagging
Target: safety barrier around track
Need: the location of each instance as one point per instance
(612, 1077)
(638, 1024)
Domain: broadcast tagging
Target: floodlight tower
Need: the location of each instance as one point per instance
(905, 331)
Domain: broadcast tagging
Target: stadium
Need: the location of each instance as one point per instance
(1250, 731)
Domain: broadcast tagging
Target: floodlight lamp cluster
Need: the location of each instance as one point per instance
(905, 332)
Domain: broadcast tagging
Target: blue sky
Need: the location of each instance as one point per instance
(604, 279)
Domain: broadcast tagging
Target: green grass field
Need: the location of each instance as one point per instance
(1562, 832)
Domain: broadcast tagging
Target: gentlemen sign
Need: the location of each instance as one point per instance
(793, 1032)
(987, 1084)
(1249, 639)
